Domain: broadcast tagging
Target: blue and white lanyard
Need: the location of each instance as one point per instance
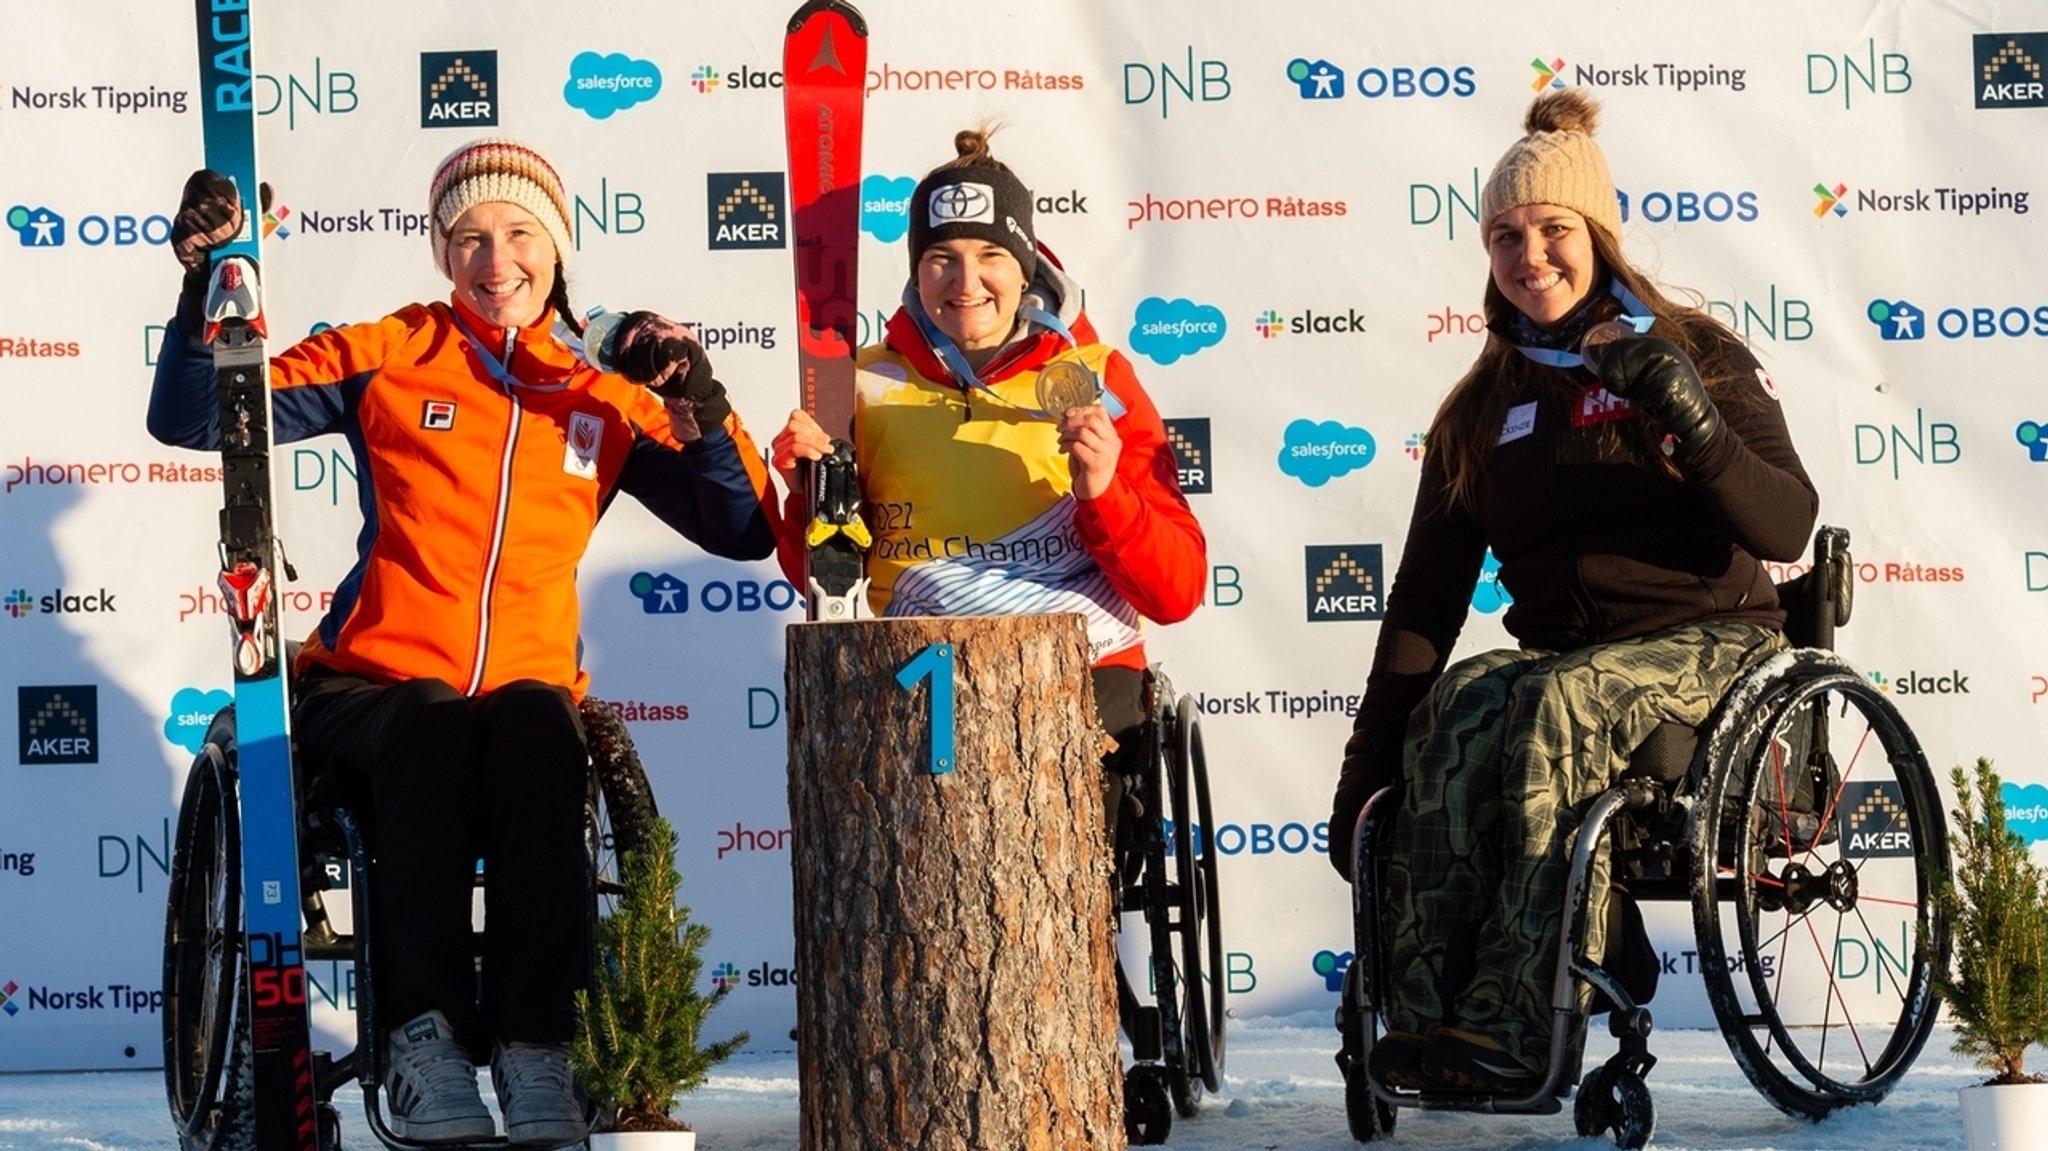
(957, 366)
(497, 367)
(1634, 314)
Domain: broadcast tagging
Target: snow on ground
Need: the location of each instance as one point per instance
(1281, 1091)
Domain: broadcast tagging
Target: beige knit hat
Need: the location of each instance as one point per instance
(1556, 163)
(497, 169)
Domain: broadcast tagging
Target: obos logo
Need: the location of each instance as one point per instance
(1165, 330)
(2033, 437)
(1316, 453)
(1322, 80)
(2007, 69)
(40, 227)
(1902, 320)
(1331, 965)
(601, 85)
(459, 89)
(885, 206)
(1343, 582)
(1490, 595)
(1687, 207)
(59, 724)
(745, 210)
(1189, 439)
(2026, 810)
(660, 593)
(192, 712)
(1874, 821)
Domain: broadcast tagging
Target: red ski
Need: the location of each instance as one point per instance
(824, 84)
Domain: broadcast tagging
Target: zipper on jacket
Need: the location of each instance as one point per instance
(496, 549)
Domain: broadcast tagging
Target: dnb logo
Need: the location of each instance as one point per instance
(2006, 69)
(745, 210)
(59, 724)
(1343, 582)
(1874, 822)
(1189, 440)
(459, 89)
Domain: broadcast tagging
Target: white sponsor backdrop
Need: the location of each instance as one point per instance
(1184, 163)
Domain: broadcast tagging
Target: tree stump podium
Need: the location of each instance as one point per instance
(955, 964)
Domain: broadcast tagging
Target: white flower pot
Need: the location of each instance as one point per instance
(648, 1141)
(2007, 1117)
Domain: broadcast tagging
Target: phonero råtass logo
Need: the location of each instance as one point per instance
(1166, 330)
(601, 85)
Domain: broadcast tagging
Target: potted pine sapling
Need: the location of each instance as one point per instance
(637, 1047)
(1996, 903)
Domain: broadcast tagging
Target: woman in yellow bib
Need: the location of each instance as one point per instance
(981, 501)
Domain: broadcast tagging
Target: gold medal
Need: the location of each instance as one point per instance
(1065, 384)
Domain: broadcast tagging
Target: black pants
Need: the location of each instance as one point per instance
(450, 780)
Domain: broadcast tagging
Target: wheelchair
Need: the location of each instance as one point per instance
(206, 1015)
(1803, 826)
(1166, 872)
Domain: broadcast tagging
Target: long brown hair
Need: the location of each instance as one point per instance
(1468, 422)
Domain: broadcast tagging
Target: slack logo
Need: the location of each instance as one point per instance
(59, 724)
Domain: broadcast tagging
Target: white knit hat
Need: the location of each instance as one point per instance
(1556, 163)
(496, 169)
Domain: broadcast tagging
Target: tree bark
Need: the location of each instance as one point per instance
(955, 963)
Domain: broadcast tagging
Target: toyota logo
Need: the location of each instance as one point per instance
(962, 204)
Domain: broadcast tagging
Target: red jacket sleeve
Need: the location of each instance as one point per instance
(1141, 531)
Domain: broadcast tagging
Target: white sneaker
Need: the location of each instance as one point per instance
(537, 1095)
(430, 1087)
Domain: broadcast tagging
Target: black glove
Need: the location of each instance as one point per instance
(209, 215)
(1658, 380)
(661, 355)
(1361, 777)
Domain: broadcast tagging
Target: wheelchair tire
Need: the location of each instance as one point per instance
(1204, 940)
(1817, 930)
(625, 814)
(208, 1074)
(1148, 1107)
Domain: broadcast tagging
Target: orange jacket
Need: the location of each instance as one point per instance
(478, 496)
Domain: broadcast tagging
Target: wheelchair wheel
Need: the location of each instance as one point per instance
(624, 814)
(1817, 845)
(207, 1069)
(1202, 898)
(1148, 1107)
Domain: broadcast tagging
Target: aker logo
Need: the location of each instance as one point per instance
(1343, 582)
(1189, 440)
(2006, 69)
(600, 85)
(745, 210)
(59, 724)
(885, 206)
(1331, 965)
(2026, 810)
(459, 89)
(1831, 200)
(1316, 453)
(1874, 821)
(1166, 330)
(192, 712)
(1549, 75)
(1897, 320)
(2033, 437)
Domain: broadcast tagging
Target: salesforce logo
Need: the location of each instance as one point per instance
(1316, 453)
(191, 714)
(1489, 595)
(1166, 330)
(885, 207)
(2026, 810)
(600, 85)
(1901, 320)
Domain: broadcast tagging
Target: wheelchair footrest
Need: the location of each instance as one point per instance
(1148, 1043)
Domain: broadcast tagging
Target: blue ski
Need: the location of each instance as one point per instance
(279, 1028)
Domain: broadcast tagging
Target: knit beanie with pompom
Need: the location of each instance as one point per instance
(1556, 163)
